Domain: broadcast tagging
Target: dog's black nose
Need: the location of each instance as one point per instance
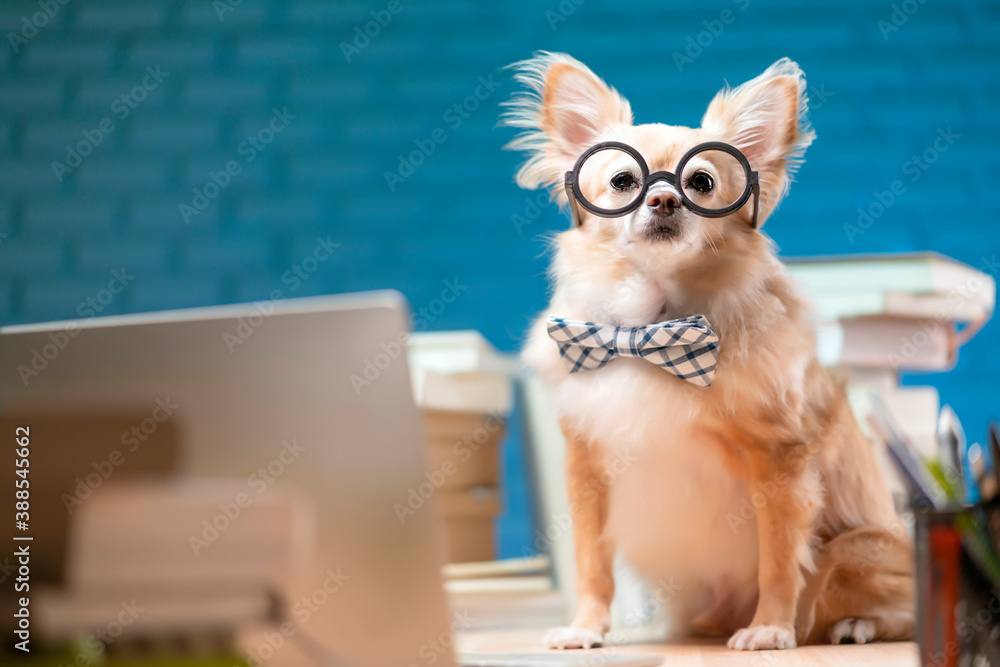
(663, 202)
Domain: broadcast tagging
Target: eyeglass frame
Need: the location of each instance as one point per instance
(575, 195)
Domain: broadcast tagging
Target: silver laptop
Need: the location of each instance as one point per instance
(244, 379)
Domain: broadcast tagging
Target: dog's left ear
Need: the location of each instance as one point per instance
(766, 119)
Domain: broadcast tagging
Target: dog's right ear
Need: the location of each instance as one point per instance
(565, 110)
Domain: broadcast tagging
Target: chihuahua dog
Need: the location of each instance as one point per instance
(757, 496)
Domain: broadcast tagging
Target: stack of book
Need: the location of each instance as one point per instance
(882, 314)
(464, 388)
(503, 593)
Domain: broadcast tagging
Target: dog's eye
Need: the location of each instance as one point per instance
(622, 181)
(701, 182)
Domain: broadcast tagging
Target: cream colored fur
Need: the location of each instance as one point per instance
(772, 443)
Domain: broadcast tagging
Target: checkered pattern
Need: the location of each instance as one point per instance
(687, 347)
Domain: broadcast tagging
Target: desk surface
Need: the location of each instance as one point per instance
(710, 652)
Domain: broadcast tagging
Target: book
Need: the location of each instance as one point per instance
(868, 377)
(490, 610)
(847, 304)
(150, 611)
(920, 482)
(464, 388)
(206, 532)
(464, 448)
(887, 342)
(508, 567)
(904, 273)
(461, 392)
(914, 411)
(459, 371)
(457, 352)
(467, 517)
(505, 585)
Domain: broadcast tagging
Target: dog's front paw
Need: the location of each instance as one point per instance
(572, 637)
(852, 631)
(762, 638)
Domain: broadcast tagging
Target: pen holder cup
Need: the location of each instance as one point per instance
(958, 585)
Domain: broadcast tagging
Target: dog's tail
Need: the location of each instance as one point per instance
(862, 573)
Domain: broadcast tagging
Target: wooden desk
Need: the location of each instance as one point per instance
(702, 653)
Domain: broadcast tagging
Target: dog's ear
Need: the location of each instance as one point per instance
(766, 119)
(565, 110)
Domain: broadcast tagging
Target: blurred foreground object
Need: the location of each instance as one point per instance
(957, 547)
(279, 412)
(187, 559)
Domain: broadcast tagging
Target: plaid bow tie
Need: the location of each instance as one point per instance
(687, 347)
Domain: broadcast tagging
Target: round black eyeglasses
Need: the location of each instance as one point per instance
(630, 179)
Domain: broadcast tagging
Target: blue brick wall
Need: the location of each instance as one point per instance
(880, 97)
